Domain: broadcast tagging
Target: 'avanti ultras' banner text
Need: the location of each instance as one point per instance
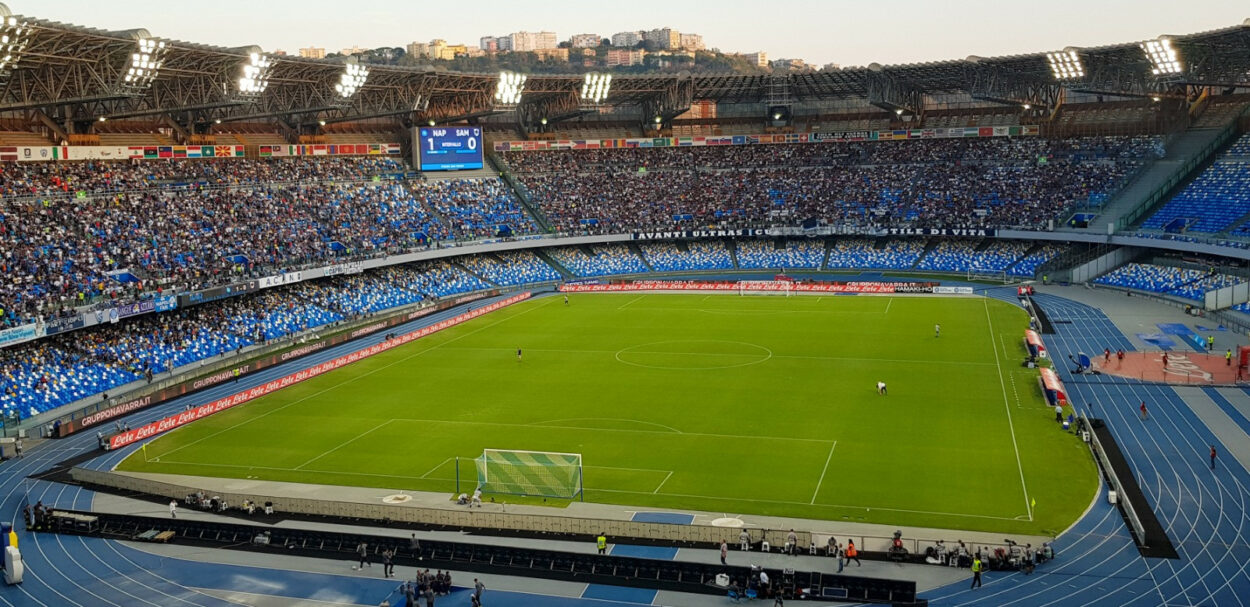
(768, 286)
(186, 417)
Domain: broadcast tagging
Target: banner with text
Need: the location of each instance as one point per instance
(766, 286)
(665, 142)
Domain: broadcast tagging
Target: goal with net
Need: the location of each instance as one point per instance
(532, 473)
(988, 275)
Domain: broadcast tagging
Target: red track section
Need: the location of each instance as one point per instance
(1189, 368)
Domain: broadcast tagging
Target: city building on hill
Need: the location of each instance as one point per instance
(626, 39)
(532, 41)
(759, 59)
(312, 53)
(585, 40)
(624, 57)
(692, 42)
(664, 37)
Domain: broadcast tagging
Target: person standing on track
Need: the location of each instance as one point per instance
(977, 567)
(1144, 415)
(601, 543)
(173, 509)
(1165, 361)
(724, 545)
(1106, 356)
(1228, 357)
(1210, 343)
(1213, 457)
(852, 554)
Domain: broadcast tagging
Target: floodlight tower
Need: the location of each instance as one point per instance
(254, 72)
(595, 89)
(509, 89)
(143, 64)
(14, 37)
(353, 79)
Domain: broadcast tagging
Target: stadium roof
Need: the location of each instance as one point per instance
(68, 73)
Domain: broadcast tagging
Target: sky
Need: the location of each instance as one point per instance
(845, 32)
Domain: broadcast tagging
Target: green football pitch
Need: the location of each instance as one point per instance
(741, 405)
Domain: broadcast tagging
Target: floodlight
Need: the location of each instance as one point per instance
(145, 64)
(898, 112)
(321, 122)
(510, 87)
(217, 121)
(431, 123)
(14, 36)
(543, 122)
(102, 118)
(1156, 99)
(1066, 65)
(595, 87)
(1163, 58)
(1028, 106)
(353, 78)
(658, 120)
(255, 77)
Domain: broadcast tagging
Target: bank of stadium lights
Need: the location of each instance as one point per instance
(255, 77)
(353, 79)
(509, 89)
(14, 36)
(145, 63)
(595, 87)
(1162, 56)
(1066, 65)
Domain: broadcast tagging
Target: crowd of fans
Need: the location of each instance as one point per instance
(477, 207)
(131, 234)
(989, 182)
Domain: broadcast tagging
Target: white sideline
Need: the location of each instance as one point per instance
(1007, 406)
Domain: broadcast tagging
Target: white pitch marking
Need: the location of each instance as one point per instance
(823, 471)
(1007, 407)
(657, 489)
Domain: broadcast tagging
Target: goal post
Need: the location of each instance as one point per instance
(530, 473)
(988, 275)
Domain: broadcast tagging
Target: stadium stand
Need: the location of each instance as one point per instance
(1216, 200)
(794, 254)
(603, 260)
(476, 207)
(1186, 283)
(1028, 264)
(848, 253)
(701, 255)
(958, 183)
(511, 268)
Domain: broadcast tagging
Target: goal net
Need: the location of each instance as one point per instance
(988, 275)
(538, 473)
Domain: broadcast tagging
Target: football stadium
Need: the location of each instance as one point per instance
(624, 322)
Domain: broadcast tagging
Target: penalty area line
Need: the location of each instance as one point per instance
(657, 489)
(823, 471)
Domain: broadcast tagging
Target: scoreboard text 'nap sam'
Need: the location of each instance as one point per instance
(449, 148)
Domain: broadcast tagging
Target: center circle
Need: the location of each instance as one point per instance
(694, 354)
